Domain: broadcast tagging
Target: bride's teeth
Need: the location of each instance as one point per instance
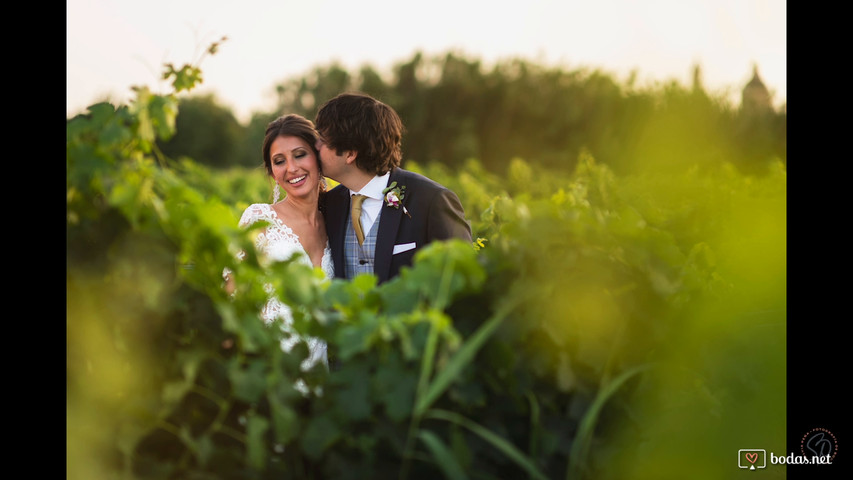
(296, 180)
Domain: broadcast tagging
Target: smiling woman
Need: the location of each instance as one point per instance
(295, 224)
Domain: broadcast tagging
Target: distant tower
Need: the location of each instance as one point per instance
(697, 78)
(755, 97)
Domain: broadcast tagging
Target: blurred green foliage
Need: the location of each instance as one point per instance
(605, 325)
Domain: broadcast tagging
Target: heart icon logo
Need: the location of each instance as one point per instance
(752, 457)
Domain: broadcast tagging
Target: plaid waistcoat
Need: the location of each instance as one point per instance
(359, 258)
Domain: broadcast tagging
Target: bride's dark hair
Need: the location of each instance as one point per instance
(296, 126)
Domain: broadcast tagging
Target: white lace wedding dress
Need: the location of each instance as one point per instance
(277, 242)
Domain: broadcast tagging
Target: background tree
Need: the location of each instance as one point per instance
(249, 149)
(207, 132)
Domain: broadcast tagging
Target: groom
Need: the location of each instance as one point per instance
(380, 214)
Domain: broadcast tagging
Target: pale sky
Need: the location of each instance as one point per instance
(115, 44)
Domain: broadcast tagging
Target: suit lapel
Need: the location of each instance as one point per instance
(336, 223)
(389, 222)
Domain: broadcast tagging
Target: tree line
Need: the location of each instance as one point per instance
(455, 109)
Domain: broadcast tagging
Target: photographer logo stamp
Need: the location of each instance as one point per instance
(819, 442)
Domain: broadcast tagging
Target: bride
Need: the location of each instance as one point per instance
(296, 223)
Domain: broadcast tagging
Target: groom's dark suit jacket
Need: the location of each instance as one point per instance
(436, 214)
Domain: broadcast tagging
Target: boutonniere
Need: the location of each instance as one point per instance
(394, 196)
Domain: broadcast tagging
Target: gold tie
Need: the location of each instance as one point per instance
(357, 200)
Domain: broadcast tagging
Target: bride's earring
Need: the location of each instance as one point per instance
(276, 193)
(323, 186)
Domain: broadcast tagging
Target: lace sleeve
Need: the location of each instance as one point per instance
(250, 215)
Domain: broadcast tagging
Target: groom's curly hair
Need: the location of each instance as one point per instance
(357, 121)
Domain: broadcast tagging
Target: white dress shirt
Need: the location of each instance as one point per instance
(373, 203)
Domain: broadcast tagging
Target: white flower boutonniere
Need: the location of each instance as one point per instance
(394, 197)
